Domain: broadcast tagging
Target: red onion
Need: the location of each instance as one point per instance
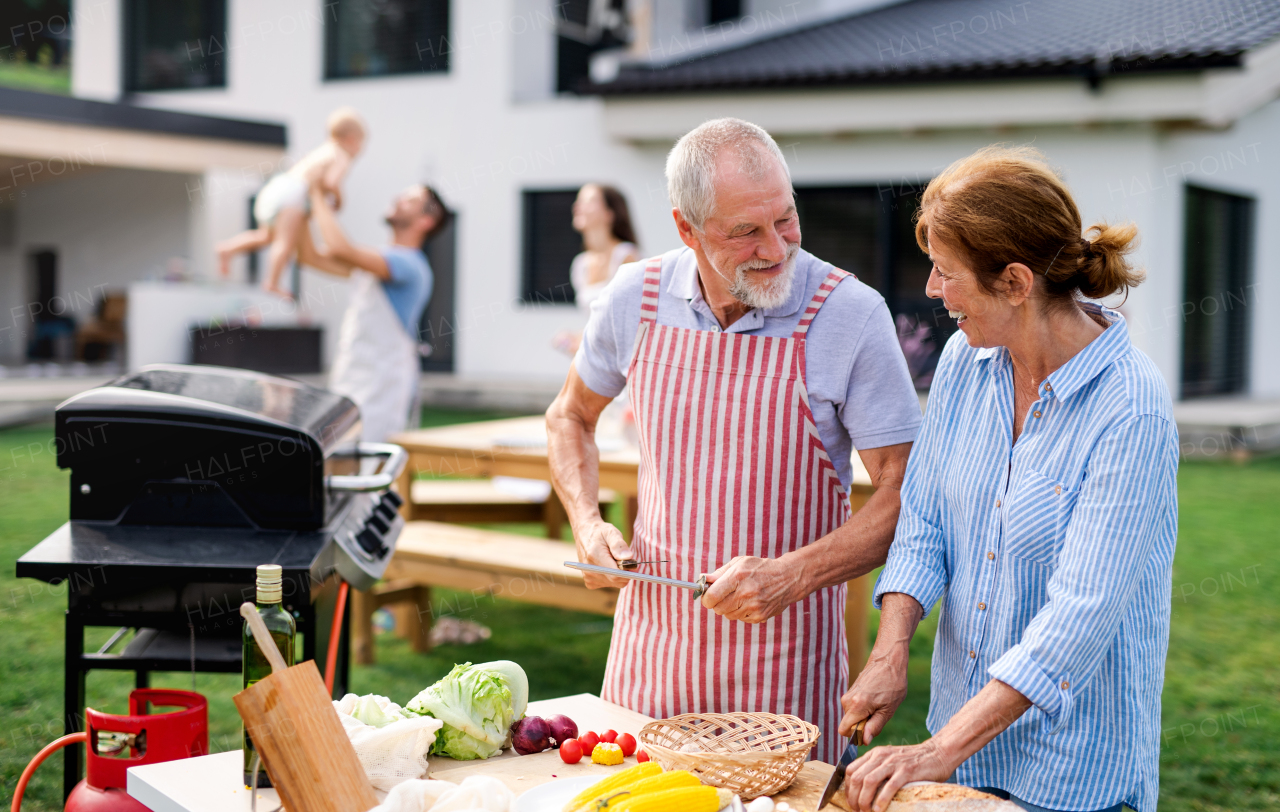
(562, 728)
(530, 735)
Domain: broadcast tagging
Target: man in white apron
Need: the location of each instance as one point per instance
(754, 368)
(377, 360)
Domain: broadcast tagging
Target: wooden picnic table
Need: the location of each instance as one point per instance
(517, 447)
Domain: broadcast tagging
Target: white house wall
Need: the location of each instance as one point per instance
(482, 134)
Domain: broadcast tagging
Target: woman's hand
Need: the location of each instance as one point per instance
(873, 779)
(877, 692)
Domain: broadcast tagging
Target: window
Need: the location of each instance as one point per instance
(36, 52)
(719, 11)
(385, 37)
(583, 28)
(550, 244)
(175, 44)
(1218, 257)
(868, 231)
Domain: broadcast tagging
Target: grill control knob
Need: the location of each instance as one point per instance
(369, 542)
(392, 498)
(85, 489)
(375, 521)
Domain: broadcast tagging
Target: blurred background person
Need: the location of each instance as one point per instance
(601, 216)
(377, 362)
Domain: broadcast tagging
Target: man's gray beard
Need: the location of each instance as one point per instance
(767, 294)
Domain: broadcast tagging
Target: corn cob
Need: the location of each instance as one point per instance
(682, 799)
(672, 779)
(610, 785)
(607, 754)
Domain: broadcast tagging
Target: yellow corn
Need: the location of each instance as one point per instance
(683, 799)
(606, 754)
(610, 785)
(672, 779)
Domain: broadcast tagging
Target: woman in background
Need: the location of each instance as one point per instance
(601, 216)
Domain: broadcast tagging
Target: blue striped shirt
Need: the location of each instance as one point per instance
(1053, 560)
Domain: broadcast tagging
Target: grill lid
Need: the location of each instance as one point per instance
(205, 446)
(223, 394)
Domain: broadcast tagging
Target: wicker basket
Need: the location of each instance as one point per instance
(752, 754)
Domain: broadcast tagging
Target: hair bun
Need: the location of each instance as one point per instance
(1105, 267)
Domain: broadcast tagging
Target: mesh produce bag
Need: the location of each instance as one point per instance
(394, 752)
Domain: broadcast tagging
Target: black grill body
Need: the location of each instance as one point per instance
(183, 480)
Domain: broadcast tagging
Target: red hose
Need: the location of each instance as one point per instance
(48, 750)
(331, 661)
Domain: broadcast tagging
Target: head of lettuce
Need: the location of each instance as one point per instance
(477, 704)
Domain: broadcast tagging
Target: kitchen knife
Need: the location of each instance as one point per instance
(698, 586)
(850, 753)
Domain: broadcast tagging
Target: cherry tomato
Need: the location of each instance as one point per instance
(642, 756)
(588, 740)
(609, 736)
(571, 751)
(627, 742)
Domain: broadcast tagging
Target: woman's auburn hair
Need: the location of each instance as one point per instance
(1005, 204)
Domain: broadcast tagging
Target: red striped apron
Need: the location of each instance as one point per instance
(731, 464)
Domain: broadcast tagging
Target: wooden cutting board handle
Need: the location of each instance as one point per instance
(295, 729)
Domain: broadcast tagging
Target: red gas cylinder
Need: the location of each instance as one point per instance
(150, 737)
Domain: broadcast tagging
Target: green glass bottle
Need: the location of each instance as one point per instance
(254, 663)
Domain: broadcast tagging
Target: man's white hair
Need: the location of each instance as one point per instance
(691, 165)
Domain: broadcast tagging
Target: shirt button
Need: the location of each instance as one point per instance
(997, 503)
(972, 655)
(1048, 387)
(1057, 489)
(991, 556)
(982, 607)
(1065, 685)
(1037, 414)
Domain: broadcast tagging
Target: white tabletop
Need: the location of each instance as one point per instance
(202, 784)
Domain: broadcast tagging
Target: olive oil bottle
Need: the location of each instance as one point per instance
(254, 663)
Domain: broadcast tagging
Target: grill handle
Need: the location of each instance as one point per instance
(396, 456)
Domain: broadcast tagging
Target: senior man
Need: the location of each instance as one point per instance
(754, 368)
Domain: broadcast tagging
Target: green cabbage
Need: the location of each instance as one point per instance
(477, 704)
(377, 710)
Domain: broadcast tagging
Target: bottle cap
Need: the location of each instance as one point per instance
(270, 583)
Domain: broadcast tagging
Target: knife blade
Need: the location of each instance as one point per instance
(698, 587)
(850, 753)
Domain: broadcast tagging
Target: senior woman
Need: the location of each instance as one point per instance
(1039, 506)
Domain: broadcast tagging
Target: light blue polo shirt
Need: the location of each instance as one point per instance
(859, 388)
(409, 287)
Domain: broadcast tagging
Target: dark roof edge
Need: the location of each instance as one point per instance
(637, 84)
(71, 110)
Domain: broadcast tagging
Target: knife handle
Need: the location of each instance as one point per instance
(702, 586)
(857, 736)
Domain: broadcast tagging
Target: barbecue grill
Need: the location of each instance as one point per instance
(183, 480)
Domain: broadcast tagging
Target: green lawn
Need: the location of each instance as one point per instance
(1221, 745)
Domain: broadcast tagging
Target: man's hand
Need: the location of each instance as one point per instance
(873, 779)
(753, 589)
(600, 543)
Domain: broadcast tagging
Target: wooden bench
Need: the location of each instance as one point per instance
(485, 563)
(479, 501)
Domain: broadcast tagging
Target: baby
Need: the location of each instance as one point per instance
(282, 205)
